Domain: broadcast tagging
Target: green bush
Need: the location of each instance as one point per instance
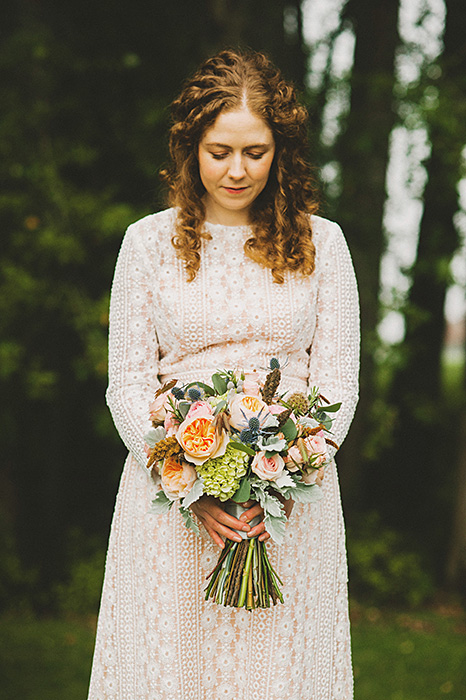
(383, 571)
(80, 595)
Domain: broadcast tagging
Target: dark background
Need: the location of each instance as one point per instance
(85, 89)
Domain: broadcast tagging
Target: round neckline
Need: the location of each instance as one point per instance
(210, 224)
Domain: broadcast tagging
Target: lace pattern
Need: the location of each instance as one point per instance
(157, 638)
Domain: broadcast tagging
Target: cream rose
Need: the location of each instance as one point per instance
(245, 406)
(268, 468)
(158, 408)
(251, 385)
(177, 478)
(200, 440)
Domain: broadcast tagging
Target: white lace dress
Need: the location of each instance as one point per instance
(157, 639)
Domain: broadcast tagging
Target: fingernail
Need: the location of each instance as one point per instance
(237, 538)
(244, 518)
(246, 528)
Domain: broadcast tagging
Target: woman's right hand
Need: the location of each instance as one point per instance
(217, 521)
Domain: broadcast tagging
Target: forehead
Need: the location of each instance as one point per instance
(238, 125)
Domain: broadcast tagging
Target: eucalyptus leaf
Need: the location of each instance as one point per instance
(243, 492)
(184, 407)
(161, 503)
(219, 383)
(220, 406)
(289, 430)
(205, 387)
(195, 493)
(189, 521)
(241, 446)
(333, 407)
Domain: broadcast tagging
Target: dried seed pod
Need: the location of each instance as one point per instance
(271, 383)
(164, 448)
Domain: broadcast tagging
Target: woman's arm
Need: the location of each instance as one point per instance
(133, 349)
(334, 352)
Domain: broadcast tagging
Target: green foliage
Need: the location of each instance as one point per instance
(16, 582)
(80, 595)
(383, 571)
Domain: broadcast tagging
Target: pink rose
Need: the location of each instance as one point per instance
(316, 446)
(170, 424)
(177, 478)
(293, 459)
(245, 406)
(200, 439)
(268, 468)
(251, 385)
(198, 409)
(158, 408)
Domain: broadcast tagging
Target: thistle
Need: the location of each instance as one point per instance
(178, 393)
(164, 448)
(194, 394)
(271, 383)
(299, 403)
(283, 417)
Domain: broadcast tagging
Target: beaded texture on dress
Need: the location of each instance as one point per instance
(157, 639)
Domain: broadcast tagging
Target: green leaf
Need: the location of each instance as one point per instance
(220, 406)
(189, 521)
(161, 503)
(241, 446)
(306, 493)
(184, 407)
(207, 389)
(333, 407)
(219, 383)
(195, 493)
(275, 526)
(289, 430)
(243, 492)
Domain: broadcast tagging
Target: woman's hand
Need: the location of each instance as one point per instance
(254, 509)
(218, 522)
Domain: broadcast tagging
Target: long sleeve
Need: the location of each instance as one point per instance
(133, 348)
(334, 353)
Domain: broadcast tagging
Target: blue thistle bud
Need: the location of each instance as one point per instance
(274, 363)
(194, 394)
(178, 393)
(246, 436)
(254, 424)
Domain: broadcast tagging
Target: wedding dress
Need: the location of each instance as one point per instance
(157, 638)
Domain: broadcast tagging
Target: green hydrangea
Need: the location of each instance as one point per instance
(221, 475)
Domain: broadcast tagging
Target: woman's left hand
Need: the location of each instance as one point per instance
(254, 509)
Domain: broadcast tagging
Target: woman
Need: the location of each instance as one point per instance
(240, 270)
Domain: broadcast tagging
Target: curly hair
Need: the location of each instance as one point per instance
(280, 216)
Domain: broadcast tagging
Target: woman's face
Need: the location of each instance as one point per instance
(235, 156)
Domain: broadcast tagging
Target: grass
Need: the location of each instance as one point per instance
(396, 656)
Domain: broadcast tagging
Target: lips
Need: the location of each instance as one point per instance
(235, 190)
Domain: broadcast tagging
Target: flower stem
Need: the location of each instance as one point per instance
(244, 582)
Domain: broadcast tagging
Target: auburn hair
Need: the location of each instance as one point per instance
(280, 216)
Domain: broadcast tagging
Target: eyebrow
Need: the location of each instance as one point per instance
(222, 145)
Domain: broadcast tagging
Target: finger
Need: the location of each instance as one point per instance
(251, 513)
(222, 530)
(264, 537)
(259, 529)
(215, 537)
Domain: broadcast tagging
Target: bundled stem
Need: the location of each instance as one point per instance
(244, 577)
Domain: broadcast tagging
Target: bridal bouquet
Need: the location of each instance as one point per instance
(238, 439)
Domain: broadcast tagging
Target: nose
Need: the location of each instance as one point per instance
(236, 170)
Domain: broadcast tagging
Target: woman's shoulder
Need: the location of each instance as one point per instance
(154, 227)
(324, 228)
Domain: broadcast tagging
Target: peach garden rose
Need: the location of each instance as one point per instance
(200, 439)
(245, 406)
(177, 478)
(158, 408)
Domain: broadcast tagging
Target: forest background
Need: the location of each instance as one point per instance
(84, 117)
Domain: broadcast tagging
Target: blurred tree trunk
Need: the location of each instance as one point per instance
(280, 35)
(417, 386)
(455, 573)
(363, 155)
